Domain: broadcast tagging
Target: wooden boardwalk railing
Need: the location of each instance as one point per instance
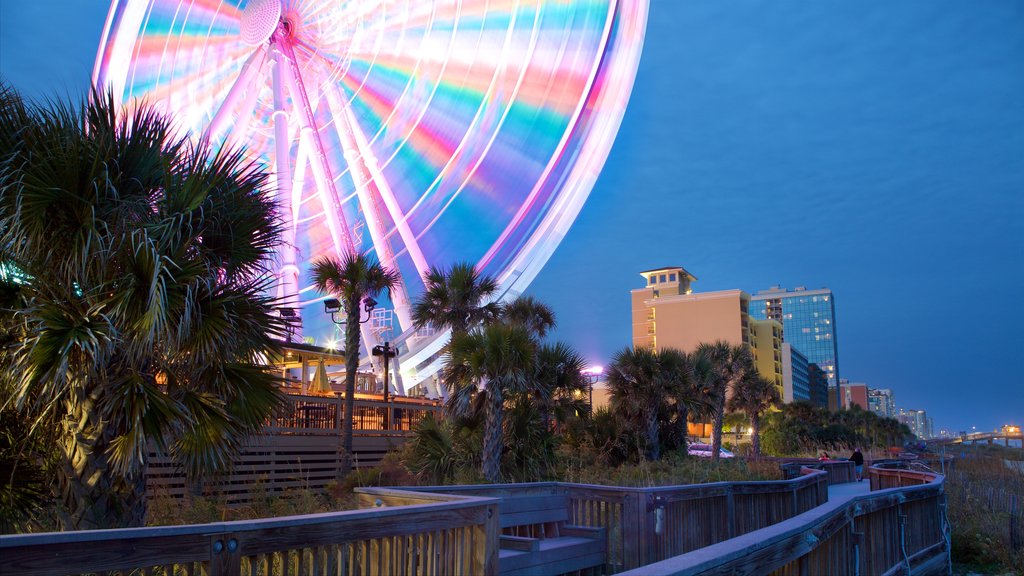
(798, 526)
(839, 471)
(400, 533)
(644, 525)
(900, 528)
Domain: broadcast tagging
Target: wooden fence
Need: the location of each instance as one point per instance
(400, 533)
(898, 529)
(644, 525)
(301, 447)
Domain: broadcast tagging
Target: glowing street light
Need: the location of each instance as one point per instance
(593, 375)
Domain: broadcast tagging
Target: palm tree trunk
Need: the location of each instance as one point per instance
(492, 435)
(351, 366)
(94, 498)
(755, 433)
(716, 432)
(684, 430)
(653, 447)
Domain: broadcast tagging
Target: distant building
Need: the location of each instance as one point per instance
(666, 313)
(796, 385)
(881, 402)
(853, 394)
(766, 344)
(808, 319)
(917, 421)
(817, 384)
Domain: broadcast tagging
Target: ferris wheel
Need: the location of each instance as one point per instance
(425, 131)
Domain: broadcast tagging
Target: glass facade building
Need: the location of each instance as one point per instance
(808, 320)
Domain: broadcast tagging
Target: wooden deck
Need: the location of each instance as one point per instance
(893, 524)
(301, 447)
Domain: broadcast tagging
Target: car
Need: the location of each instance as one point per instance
(704, 451)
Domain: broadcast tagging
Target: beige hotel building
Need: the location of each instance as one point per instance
(668, 314)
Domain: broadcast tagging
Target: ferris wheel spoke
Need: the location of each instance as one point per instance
(368, 189)
(355, 144)
(244, 84)
(326, 188)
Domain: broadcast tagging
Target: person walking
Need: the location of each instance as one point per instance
(858, 463)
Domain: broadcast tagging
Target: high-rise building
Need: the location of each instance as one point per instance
(796, 385)
(667, 313)
(817, 383)
(853, 394)
(917, 421)
(808, 320)
(881, 402)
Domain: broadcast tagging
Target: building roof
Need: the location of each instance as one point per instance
(665, 268)
(779, 292)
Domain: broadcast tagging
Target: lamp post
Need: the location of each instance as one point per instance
(332, 306)
(290, 317)
(388, 353)
(593, 375)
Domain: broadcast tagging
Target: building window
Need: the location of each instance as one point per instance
(652, 280)
(672, 277)
(662, 278)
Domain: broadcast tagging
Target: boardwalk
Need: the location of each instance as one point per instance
(893, 524)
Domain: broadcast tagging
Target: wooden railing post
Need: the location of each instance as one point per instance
(633, 512)
(225, 555)
(730, 512)
(485, 558)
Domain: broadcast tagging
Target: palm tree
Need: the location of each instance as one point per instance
(721, 366)
(498, 360)
(558, 381)
(638, 392)
(753, 395)
(353, 278)
(143, 262)
(676, 367)
(457, 299)
(532, 314)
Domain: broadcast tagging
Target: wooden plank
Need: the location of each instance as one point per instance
(519, 543)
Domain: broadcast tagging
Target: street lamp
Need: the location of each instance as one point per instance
(593, 375)
(388, 353)
(332, 306)
(290, 318)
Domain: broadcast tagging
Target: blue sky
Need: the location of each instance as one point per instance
(874, 148)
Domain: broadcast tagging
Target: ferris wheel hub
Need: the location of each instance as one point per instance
(260, 20)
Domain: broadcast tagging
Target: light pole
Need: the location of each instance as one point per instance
(593, 375)
(388, 353)
(332, 306)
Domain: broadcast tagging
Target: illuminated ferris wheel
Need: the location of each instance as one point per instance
(425, 131)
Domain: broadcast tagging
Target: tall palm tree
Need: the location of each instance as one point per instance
(143, 266)
(753, 395)
(676, 367)
(455, 299)
(638, 393)
(532, 314)
(721, 366)
(497, 359)
(353, 278)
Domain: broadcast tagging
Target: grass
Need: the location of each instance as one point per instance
(980, 489)
(672, 469)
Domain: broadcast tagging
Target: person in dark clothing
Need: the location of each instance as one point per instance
(858, 462)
